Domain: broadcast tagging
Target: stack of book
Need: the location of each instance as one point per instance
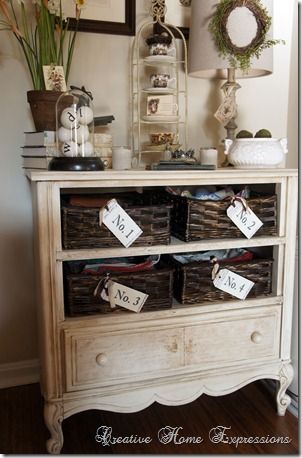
(38, 150)
(178, 164)
(40, 147)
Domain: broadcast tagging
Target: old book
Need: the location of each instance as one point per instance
(43, 138)
(36, 162)
(39, 151)
(173, 165)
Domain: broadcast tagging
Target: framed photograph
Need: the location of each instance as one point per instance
(54, 78)
(179, 15)
(161, 105)
(115, 17)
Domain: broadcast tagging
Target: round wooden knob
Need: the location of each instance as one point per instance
(256, 337)
(101, 359)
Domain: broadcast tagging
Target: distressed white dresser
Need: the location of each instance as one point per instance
(123, 362)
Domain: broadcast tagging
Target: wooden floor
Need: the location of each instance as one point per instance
(249, 412)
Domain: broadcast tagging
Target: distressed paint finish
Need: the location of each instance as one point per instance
(125, 362)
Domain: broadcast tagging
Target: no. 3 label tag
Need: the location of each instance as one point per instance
(128, 298)
(232, 283)
(120, 223)
(245, 220)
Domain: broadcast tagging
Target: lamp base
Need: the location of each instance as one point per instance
(76, 164)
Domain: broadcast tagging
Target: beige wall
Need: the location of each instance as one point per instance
(101, 63)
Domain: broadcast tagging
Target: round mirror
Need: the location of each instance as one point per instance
(242, 27)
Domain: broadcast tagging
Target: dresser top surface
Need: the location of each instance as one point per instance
(162, 175)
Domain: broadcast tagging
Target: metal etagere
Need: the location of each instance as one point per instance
(142, 66)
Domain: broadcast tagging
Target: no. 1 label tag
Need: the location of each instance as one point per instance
(120, 223)
(245, 220)
(128, 298)
(232, 283)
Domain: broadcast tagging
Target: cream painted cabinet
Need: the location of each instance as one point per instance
(125, 361)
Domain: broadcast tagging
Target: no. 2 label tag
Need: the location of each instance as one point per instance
(232, 283)
(125, 297)
(120, 223)
(245, 220)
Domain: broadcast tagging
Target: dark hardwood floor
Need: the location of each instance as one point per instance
(250, 413)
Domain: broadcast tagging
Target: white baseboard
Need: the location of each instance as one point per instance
(19, 373)
(294, 404)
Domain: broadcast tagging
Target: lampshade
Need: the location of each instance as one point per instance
(204, 60)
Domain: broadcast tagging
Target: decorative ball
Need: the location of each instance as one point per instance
(263, 133)
(70, 149)
(65, 135)
(69, 118)
(244, 134)
(87, 149)
(80, 134)
(85, 115)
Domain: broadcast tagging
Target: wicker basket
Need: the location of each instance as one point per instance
(157, 283)
(81, 229)
(193, 281)
(206, 219)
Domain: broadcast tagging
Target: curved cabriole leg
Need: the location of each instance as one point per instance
(286, 377)
(53, 415)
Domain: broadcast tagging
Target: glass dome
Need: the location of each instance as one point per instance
(75, 132)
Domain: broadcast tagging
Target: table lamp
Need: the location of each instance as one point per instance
(241, 28)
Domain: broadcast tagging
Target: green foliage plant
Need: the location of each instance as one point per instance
(42, 32)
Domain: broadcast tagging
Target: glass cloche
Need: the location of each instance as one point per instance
(75, 133)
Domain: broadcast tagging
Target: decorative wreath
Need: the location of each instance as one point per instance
(240, 57)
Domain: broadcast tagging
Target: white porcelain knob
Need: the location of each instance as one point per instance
(69, 118)
(256, 337)
(69, 149)
(86, 149)
(80, 134)
(101, 359)
(85, 115)
(65, 135)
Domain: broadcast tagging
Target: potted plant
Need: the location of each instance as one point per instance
(41, 30)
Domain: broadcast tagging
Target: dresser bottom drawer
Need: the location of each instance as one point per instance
(94, 358)
(234, 339)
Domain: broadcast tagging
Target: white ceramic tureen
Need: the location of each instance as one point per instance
(247, 153)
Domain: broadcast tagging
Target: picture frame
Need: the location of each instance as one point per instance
(54, 78)
(178, 14)
(106, 12)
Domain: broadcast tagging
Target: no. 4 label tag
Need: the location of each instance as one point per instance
(119, 223)
(128, 298)
(245, 220)
(232, 283)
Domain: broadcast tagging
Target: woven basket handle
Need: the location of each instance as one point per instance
(101, 290)
(216, 267)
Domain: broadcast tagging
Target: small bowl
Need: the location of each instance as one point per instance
(162, 138)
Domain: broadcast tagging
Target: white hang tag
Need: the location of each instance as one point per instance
(245, 220)
(119, 223)
(125, 297)
(232, 283)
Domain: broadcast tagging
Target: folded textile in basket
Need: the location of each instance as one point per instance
(210, 193)
(88, 201)
(120, 265)
(232, 255)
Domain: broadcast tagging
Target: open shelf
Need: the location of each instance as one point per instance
(176, 246)
(178, 310)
